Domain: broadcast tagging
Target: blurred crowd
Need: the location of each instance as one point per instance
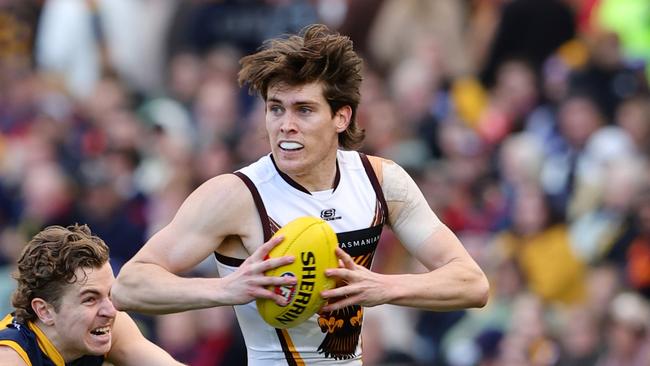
(526, 124)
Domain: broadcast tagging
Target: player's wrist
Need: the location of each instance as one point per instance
(396, 288)
(215, 293)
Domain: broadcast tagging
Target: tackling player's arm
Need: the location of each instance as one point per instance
(454, 280)
(220, 207)
(131, 348)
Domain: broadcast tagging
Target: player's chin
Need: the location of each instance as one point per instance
(99, 350)
(98, 346)
(290, 163)
(281, 154)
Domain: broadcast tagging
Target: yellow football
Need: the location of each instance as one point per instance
(313, 243)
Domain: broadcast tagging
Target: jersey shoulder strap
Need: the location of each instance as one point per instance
(374, 171)
(18, 337)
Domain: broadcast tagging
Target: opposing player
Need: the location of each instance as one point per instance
(310, 85)
(64, 314)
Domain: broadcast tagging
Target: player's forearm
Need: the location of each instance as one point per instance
(453, 286)
(148, 288)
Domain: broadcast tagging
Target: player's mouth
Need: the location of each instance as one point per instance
(290, 145)
(101, 331)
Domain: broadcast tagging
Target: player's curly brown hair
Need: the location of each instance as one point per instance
(48, 264)
(317, 54)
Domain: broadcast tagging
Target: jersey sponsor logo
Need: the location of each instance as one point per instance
(359, 242)
(329, 214)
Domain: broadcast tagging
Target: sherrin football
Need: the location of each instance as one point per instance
(312, 242)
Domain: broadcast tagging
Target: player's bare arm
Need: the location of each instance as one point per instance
(131, 348)
(10, 357)
(455, 281)
(222, 207)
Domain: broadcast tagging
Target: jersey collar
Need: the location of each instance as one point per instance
(296, 185)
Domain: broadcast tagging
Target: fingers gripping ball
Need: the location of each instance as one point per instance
(313, 243)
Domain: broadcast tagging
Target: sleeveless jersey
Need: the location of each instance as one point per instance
(34, 347)
(356, 210)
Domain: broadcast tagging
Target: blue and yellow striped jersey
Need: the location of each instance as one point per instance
(34, 347)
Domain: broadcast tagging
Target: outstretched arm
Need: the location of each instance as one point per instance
(221, 207)
(454, 280)
(131, 348)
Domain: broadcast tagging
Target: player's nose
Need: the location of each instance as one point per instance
(107, 309)
(288, 123)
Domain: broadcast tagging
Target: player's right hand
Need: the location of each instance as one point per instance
(249, 282)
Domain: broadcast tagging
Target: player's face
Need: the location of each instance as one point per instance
(301, 128)
(85, 318)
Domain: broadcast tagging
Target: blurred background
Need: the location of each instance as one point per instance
(525, 122)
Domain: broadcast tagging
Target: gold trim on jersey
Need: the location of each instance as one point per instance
(13, 344)
(16, 347)
(364, 260)
(6, 321)
(46, 346)
(298, 361)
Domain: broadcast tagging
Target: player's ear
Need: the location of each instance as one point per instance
(342, 118)
(44, 311)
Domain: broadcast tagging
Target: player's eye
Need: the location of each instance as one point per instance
(275, 109)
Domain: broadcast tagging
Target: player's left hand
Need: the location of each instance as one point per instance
(357, 285)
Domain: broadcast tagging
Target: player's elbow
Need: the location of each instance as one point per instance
(121, 292)
(118, 297)
(480, 291)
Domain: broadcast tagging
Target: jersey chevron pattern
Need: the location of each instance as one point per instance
(356, 210)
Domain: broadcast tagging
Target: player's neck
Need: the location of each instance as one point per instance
(319, 178)
(53, 340)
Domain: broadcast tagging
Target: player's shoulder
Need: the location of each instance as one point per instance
(379, 160)
(223, 195)
(12, 330)
(259, 171)
(379, 165)
(222, 187)
(10, 356)
(17, 342)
